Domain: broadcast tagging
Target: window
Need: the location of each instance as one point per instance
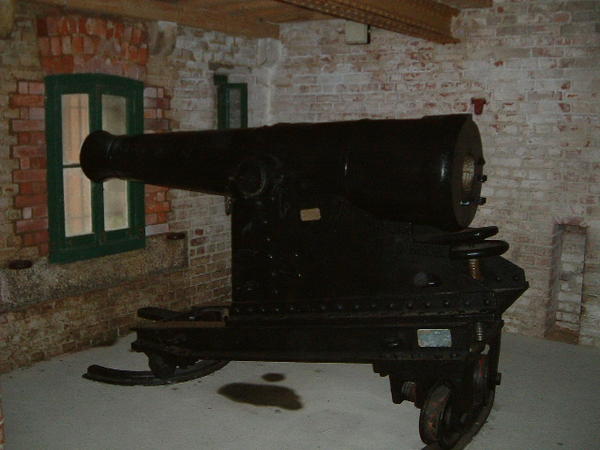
(90, 219)
(232, 103)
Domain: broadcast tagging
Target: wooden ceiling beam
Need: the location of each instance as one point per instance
(426, 19)
(183, 14)
(461, 4)
(266, 10)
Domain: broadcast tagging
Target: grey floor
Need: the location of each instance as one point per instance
(549, 399)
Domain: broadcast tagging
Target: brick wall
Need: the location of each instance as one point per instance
(187, 71)
(179, 95)
(536, 64)
(71, 44)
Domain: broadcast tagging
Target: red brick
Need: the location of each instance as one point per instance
(127, 33)
(163, 103)
(67, 48)
(88, 45)
(154, 188)
(39, 211)
(29, 175)
(32, 187)
(42, 27)
(143, 56)
(58, 64)
(98, 27)
(162, 217)
(31, 138)
(64, 26)
(162, 207)
(110, 29)
(28, 125)
(136, 36)
(38, 163)
(77, 44)
(561, 17)
(27, 100)
(73, 24)
(37, 113)
(55, 46)
(44, 46)
(119, 30)
(151, 219)
(22, 201)
(52, 25)
(132, 53)
(29, 239)
(24, 226)
(28, 151)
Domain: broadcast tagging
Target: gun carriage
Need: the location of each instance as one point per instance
(350, 243)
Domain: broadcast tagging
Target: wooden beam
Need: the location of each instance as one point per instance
(463, 4)
(426, 19)
(184, 14)
(7, 17)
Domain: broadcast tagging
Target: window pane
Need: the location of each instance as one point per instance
(78, 202)
(235, 108)
(115, 205)
(114, 120)
(75, 125)
(114, 114)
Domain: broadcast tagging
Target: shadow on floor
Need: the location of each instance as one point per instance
(262, 395)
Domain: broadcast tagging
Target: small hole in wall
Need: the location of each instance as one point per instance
(20, 264)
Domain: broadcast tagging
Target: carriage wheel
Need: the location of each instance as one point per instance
(438, 423)
(481, 382)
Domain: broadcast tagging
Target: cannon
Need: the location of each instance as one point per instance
(350, 243)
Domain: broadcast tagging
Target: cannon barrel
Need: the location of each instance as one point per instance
(426, 170)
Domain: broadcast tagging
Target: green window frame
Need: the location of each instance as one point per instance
(100, 239)
(232, 103)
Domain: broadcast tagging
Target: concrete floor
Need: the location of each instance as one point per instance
(550, 398)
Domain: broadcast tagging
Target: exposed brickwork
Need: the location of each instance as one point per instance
(19, 61)
(188, 72)
(179, 95)
(30, 177)
(78, 44)
(72, 44)
(157, 105)
(69, 324)
(536, 63)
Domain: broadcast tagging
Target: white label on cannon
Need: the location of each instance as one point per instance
(432, 337)
(309, 215)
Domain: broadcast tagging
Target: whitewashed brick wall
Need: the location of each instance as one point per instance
(537, 63)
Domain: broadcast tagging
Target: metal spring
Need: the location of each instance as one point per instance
(479, 332)
(475, 269)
